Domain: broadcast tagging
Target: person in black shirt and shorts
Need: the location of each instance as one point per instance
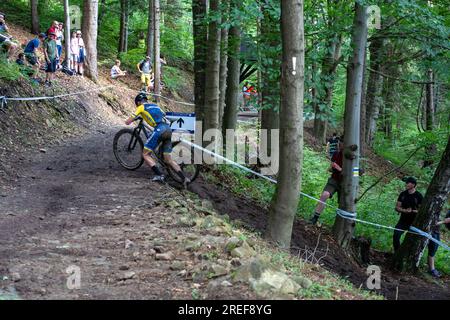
(408, 203)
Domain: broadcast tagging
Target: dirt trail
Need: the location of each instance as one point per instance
(74, 205)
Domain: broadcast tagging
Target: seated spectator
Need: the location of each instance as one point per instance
(116, 72)
(7, 45)
(3, 26)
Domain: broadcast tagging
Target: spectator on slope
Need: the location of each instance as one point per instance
(408, 204)
(334, 182)
(7, 45)
(51, 57)
(59, 39)
(332, 145)
(433, 247)
(3, 27)
(74, 52)
(145, 68)
(31, 54)
(116, 72)
(81, 54)
(53, 28)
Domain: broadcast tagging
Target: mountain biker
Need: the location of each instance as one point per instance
(155, 117)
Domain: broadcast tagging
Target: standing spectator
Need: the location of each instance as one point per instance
(433, 247)
(74, 52)
(408, 203)
(51, 57)
(81, 54)
(145, 68)
(30, 51)
(332, 145)
(53, 28)
(333, 184)
(59, 39)
(116, 72)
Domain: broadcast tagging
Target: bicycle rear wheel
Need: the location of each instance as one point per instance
(128, 148)
(186, 162)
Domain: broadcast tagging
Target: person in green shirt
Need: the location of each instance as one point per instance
(51, 57)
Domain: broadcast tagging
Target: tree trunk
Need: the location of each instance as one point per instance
(102, 10)
(343, 228)
(362, 121)
(90, 17)
(223, 71)
(285, 201)
(156, 57)
(200, 38)
(173, 12)
(212, 70)
(374, 90)
(430, 150)
(407, 258)
(150, 30)
(67, 32)
(124, 14)
(233, 88)
(270, 68)
(34, 17)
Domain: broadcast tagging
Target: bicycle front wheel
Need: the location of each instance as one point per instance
(128, 148)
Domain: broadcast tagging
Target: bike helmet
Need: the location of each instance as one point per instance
(140, 98)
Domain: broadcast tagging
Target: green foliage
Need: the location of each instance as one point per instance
(9, 70)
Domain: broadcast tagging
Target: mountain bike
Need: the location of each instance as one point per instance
(128, 145)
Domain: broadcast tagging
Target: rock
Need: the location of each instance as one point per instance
(274, 283)
(43, 150)
(165, 256)
(159, 249)
(177, 265)
(128, 244)
(128, 275)
(124, 268)
(182, 273)
(226, 283)
(244, 251)
(303, 282)
(216, 270)
(232, 243)
(206, 204)
(251, 270)
(235, 262)
(15, 276)
(192, 245)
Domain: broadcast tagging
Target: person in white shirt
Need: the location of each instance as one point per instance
(59, 39)
(116, 72)
(74, 52)
(82, 53)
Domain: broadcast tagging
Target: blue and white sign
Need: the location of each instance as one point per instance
(182, 122)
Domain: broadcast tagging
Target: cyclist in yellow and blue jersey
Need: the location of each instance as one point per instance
(162, 133)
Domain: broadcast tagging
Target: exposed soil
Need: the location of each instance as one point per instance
(333, 258)
(74, 205)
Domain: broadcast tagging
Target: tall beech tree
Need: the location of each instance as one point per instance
(34, 16)
(285, 201)
(343, 228)
(89, 27)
